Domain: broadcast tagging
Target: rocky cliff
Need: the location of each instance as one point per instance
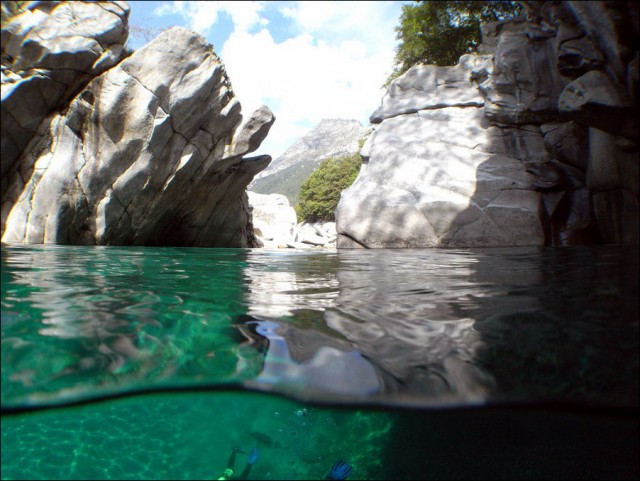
(101, 146)
(534, 142)
(330, 138)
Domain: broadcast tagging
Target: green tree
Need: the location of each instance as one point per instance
(439, 32)
(320, 193)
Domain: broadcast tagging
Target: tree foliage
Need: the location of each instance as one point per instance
(439, 32)
(320, 193)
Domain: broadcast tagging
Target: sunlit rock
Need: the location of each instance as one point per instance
(150, 153)
(275, 225)
(424, 87)
(274, 220)
(535, 144)
(320, 234)
(440, 177)
(49, 52)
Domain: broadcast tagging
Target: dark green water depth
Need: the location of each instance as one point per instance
(152, 363)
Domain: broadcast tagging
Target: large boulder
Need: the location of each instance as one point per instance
(151, 152)
(275, 225)
(535, 144)
(441, 178)
(274, 220)
(50, 51)
(423, 87)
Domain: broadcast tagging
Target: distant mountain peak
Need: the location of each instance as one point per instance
(329, 138)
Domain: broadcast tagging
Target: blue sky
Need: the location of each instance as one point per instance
(307, 61)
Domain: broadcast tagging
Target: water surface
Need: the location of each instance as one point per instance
(377, 355)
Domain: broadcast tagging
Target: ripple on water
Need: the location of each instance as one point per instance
(432, 326)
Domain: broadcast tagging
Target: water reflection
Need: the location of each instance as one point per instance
(451, 327)
(427, 327)
(283, 281)
(424, 306)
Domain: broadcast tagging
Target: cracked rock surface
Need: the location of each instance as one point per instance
(49, 52)
(533, 144)
(145, 154)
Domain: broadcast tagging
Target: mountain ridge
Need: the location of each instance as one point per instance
(329, 138)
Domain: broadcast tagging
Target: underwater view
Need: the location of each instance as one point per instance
(179, 363)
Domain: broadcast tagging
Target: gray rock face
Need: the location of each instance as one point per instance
(146, 154)
(424, 87)
(537, 147)
(330, 138)
(440, 178)
(42, 69)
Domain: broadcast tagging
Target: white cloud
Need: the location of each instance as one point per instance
(201, 16)
(365, 20)
(332, 67)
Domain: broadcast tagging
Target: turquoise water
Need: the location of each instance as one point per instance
(152, 363)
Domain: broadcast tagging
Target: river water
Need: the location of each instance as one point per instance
(152, 363)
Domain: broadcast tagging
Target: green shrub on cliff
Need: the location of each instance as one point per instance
(440, 32)
(320, 193)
